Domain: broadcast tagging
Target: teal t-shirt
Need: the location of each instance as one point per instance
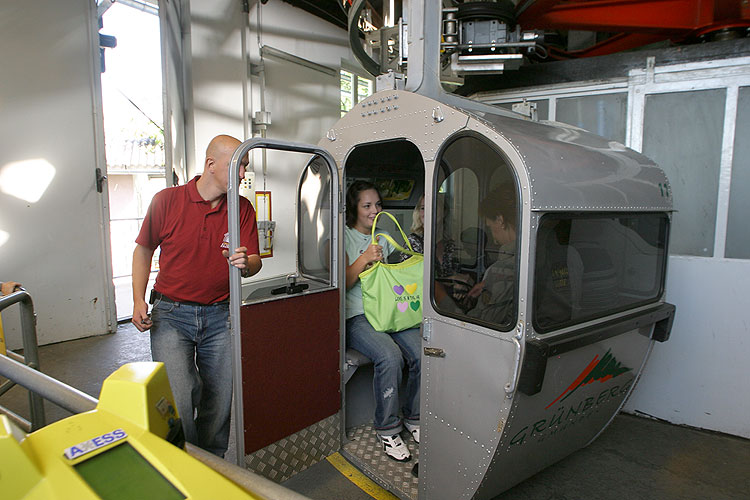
(356, 243)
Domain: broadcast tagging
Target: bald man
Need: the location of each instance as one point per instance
(189, 320)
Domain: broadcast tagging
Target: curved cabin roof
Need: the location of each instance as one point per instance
(568, 168)
(572, 169)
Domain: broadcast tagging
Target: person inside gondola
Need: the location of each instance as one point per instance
(493, 297)
(495, 292)
(389, 352)
(446, 257)
(447, 265)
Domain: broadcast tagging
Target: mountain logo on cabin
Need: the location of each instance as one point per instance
(598, 369)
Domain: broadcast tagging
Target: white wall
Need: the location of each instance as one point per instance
(303, 102)
(50, 110)
(699, 377)
(50, 121)
(216, 65)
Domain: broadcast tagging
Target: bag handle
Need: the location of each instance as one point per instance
(398, 247)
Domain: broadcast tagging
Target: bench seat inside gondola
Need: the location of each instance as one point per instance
(353, 359)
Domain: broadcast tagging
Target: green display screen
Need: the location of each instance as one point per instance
(122, 473)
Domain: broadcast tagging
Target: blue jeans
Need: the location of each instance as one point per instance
(195, 344)
(388, 351)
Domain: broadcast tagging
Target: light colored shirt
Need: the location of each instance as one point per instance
(497, 300)
(356, 243)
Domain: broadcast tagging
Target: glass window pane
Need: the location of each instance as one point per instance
(682, 133)
(738, 229)
(475, 246)
(604, 115)
(347, 91)
(593, 265)
(364, 88)
(315, 221)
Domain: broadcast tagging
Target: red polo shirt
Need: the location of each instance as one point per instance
(192, 236)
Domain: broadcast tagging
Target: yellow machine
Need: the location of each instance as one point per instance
(129, 447)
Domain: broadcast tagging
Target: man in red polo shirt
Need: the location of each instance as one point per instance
(189, 320)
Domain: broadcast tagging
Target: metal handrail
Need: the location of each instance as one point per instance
(75, 401)
(30, 356)
(49, 388)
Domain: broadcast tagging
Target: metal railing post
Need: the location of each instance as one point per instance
(30, 348)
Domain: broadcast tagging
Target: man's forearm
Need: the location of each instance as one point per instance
(253, 266)
(141, 271)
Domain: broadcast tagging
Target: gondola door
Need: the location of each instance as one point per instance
(473, 325)
(287, 334)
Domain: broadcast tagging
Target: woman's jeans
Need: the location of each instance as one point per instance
(388, 351)
(195, 344)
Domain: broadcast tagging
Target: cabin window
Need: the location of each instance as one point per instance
(314, 224)
(602, 114)
(588, 266)
(474, 245)
(738, 230)
(689, 151)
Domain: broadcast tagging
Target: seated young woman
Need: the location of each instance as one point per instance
(389, 352)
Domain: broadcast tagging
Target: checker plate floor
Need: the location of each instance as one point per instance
(283, 459)
(368, 455)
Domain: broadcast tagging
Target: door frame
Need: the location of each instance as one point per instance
(235, 278)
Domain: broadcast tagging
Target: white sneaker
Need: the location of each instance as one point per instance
(414, 429)
(395, 448)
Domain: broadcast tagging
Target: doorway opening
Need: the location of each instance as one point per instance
(134, 134)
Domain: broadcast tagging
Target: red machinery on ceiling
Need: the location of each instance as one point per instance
(634, 23)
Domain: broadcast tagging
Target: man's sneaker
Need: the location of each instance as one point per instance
(414, 429)
(395, 448)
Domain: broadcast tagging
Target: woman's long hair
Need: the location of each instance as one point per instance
(352, 199)
(417, 224)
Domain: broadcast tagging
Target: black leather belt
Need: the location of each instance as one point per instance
(160, 296)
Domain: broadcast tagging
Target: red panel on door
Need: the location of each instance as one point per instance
(290, 365)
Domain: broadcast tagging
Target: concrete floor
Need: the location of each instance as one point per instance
(84, 364)
(635, 458)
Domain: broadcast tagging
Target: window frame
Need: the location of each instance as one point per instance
(546, 330)
(301, 232)
(435, 188)
(354, 94)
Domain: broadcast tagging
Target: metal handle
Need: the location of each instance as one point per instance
(510, 387)
(100, 178)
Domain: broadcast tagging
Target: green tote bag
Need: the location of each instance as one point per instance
(392, 293)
